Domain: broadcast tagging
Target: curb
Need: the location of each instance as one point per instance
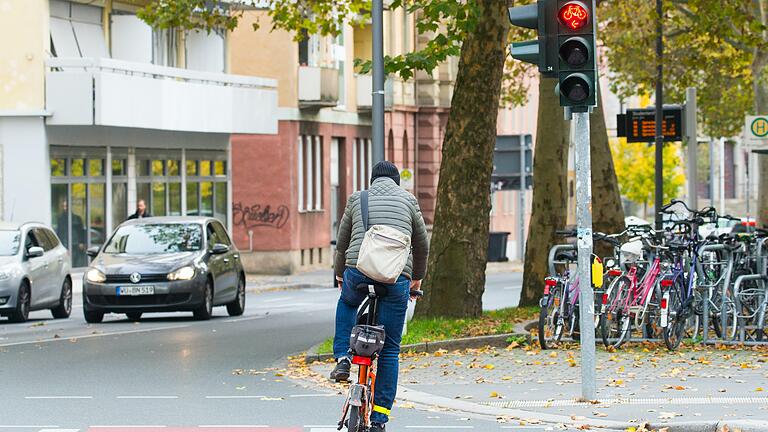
(286, 287)
(499, 340)
(427, 399)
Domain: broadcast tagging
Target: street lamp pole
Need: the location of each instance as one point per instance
(377, 16)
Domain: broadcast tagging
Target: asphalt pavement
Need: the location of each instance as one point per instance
(169, 371)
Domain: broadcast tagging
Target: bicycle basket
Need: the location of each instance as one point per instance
(366, 341)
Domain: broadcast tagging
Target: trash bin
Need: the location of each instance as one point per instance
(497, 247)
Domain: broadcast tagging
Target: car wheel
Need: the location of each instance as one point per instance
(93, 317)
(64, 309)
(237, 307)
(134, 316)
(205, 311)
(21, 313)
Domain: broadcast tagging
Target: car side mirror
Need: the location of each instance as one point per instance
(35, 251)
(93, 251)
(219, 248)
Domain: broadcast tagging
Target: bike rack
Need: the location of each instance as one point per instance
(761, 262)
(723, 280)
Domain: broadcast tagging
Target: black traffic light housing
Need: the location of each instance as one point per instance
(576, 65)
(541, 51)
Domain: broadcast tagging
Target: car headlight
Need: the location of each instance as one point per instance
(184, 273)
(95, 275)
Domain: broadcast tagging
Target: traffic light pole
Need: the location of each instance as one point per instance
(584, 243)
(659, 201)
(377, 18)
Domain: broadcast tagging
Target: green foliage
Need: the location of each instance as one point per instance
(635, 168)
(436, 329)
(708, 45)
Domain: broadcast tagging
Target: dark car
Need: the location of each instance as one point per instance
(164, 264)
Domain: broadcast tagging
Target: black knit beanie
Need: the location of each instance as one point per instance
(385, 169)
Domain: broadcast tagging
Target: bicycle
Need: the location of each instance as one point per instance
(366, 342)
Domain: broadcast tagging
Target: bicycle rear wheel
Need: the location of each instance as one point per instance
(355, 421)
(613, 322)
(679, 312)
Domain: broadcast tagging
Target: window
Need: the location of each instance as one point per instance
(158, 182)
(43, 239)
(221, 234)
(207, 189)
(77, 31)
(310, 173)
(361, 163)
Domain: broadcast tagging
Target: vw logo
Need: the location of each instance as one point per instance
(135, 277)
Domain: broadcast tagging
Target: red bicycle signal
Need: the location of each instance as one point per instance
(573, 15)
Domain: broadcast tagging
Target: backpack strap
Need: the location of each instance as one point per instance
(364, 209)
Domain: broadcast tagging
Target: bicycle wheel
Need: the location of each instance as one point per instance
(678, 317)
(613, 322)
(551, 323)
(652, 316)
(355, 421)
(718, 307)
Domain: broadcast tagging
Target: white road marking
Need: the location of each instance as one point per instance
(236, 397)
(313, 395)
(252, 318)
(58, 397)
(233, 426)
(147, 397)
(439, 427)
(324, 429)
(275, 300)
(128, 426)
(88, 336)
(319, 426)
(59, 430)
(27, 426)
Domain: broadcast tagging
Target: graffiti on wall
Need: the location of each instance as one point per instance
(259, 215)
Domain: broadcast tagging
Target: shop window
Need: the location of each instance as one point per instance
(193, 197)
(58, 167)
(191, 168)
(78, 167)
(95, 167)
(158, 168)
(118, 167)
(205, 168)
(220, 168)
(172, 168)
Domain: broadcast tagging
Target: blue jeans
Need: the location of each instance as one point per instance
(392, 308)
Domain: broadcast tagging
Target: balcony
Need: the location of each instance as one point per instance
(396, 92)
(106, 92)
(318, 87)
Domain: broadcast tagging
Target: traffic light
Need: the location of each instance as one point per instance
(576, 66)
(541, 51)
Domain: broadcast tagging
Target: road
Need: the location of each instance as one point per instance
(171, 371)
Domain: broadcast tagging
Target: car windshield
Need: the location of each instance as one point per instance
(9, 242)
(148, 239)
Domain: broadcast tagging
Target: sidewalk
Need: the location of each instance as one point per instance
(643, 383)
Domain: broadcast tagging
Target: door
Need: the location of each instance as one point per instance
(57, 261)
(221, 266)
(37, 271)
(53, 265)
(229, 262)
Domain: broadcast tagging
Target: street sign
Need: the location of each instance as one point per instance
(406, 179)
(756, 127)
(508, 170)
(639, 125)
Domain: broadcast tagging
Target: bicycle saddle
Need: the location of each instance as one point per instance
(566, 256)
(379, 289)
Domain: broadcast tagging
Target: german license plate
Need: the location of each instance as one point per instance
(135, 290)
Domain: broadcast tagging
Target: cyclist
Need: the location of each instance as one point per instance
(392, 206)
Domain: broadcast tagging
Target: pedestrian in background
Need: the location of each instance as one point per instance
(141, 211)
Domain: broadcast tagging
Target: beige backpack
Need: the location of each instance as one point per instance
(385, 250)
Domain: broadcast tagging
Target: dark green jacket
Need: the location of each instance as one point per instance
(390, 205)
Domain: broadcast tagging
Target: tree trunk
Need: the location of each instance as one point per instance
(550, 191)
(607, 211)
(458, 252)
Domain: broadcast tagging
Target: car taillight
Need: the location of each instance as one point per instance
(666, 283)
(614, 272)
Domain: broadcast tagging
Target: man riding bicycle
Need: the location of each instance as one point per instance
(392, 206)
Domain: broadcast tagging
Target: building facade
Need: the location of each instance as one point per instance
(99, 111)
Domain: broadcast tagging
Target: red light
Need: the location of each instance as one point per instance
(605, 298)
(573, 15)
(550, 282)
(663, 303)
(666, 282)
(361, 360)
(614, 272)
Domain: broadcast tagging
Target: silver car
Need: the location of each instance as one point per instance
(34, 272)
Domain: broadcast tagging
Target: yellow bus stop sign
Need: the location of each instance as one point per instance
(757, 127)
